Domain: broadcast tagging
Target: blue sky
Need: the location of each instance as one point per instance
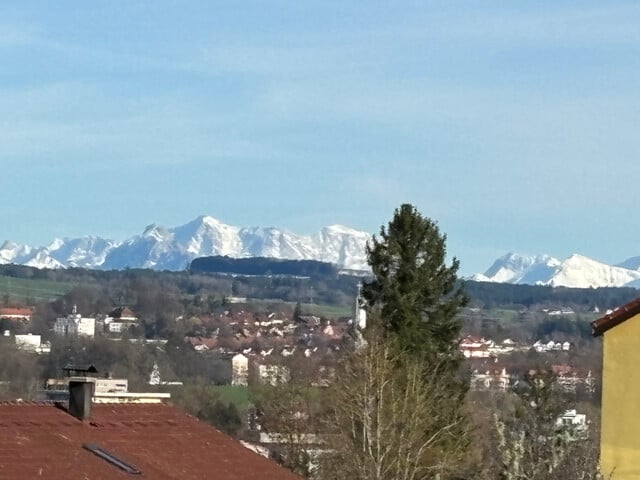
(513, 124)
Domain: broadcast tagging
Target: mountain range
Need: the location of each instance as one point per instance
(163, 248)
(576, 271)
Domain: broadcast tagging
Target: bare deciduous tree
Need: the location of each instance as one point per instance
(387, 419)
(289, 412)
(531, 445)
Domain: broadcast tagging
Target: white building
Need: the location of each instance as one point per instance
(75, 324)
(32, 343)
(111, 385)
(28, 342)
(239, 370)
(575, 423)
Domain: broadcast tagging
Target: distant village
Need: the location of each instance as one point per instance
(258, 344)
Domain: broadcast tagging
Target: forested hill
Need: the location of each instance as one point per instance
(287, 280)
(489, 295)
(262, 266)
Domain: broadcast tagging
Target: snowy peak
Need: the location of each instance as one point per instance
(155, 232)
(207, 236)
(517, 268)
(42, 260)
(84, 252)
(275, 243)
(576, 271)
(343, 246)
(11, 252)
(174, 248)
(583, 272)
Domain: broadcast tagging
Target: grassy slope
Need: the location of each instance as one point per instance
(233, 393)
(23, 288)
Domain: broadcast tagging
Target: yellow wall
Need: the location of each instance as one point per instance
(620, 438)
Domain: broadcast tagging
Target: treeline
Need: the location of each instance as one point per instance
(490, 295)
(262, 266)
(292, 281)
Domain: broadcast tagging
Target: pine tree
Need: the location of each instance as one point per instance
(416, 293)
(415, 298)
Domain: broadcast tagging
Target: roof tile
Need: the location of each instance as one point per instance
(42, 440)
(619, 315)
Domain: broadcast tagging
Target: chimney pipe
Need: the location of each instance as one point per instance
(80, 393)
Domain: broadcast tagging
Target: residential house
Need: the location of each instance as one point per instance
(575, 423)
(474, 347)
(120, 319)
(109, 441)
(551, 346)
(488, 374)
(13, 313)
(620, 411)
(569, 378)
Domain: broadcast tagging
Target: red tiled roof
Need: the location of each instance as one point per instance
(619, 315)
(207, 342)
(44, 441)
(22, 312)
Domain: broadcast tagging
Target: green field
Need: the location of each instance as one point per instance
(237, 394)
(327, 311)
(34, 289)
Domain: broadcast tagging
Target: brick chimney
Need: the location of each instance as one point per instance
(80, 393)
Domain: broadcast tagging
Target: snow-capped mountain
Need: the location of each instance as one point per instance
(516, 268)
(576, 271)
(11, 252)
(163, 248)
(84, 252)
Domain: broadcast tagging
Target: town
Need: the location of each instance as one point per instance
(226, 354)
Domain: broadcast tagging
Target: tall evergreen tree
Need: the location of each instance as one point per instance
(415, 298)
(416, 293)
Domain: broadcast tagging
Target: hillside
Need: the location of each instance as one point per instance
(262, 266)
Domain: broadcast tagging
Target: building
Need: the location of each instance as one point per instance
(239, 369)
(104, 389)
(120, 319)
(23, 314)
(473, 347)
(575, 423)
(105, 442)
(570, 379)
(490, 379)
(75, 324)
(620, 412)
(32, 343)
